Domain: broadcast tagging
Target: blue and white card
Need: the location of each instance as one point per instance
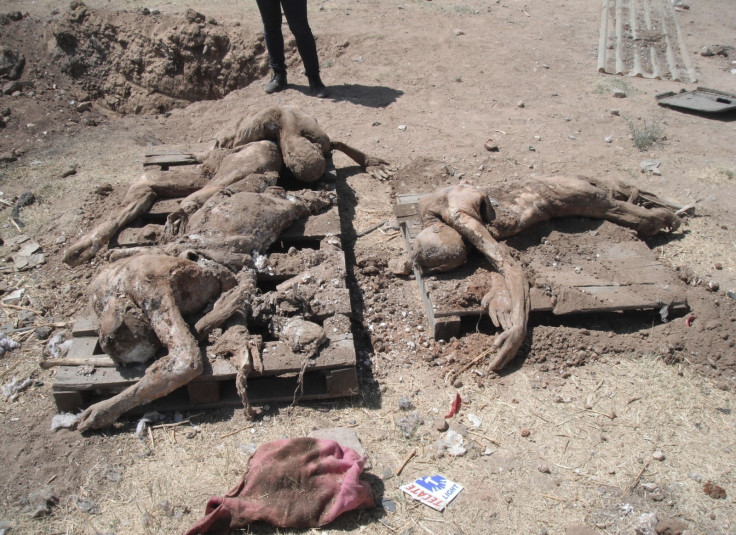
(435, 491)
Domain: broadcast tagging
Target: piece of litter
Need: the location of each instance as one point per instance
(148, 418)
(452, 443)
(13, 388)
(436, 491)
(474, 420)
(455, 406)
(65, 420)
(649, 166)
(7, 344)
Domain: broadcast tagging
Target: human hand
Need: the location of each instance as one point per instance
(508, 343)
(498, 302)
(378, 168)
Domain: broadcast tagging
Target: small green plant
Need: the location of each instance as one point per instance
(647, 135)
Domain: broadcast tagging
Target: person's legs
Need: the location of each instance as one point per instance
(296, 15)
(271, 17)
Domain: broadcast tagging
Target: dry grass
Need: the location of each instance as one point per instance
(593, 458)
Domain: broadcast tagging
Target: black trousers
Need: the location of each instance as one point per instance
(296, 16)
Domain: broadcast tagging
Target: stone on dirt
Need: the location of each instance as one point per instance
(40, 502)
(646, 524)
(347, 438)
(670, 526)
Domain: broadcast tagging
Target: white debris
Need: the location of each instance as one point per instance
(474, 420)
(13, 388)
(646, 524)
(261, 263)
(58, 346)
(14, 297)
(7, 344)
(148, 418)
(452, 443)
(64, 420)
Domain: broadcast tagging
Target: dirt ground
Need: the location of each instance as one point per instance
(563, 439)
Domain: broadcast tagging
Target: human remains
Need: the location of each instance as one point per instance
(232, 210)
(484, 216)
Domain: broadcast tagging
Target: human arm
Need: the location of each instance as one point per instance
(376, 167)
(509, 303)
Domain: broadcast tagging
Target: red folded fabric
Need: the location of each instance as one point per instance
(291, 483)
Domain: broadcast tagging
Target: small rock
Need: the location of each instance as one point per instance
(543, 468)
(608, 139)
(525, 432)
(405, 404)
(458, 33)
(707, 52)
(713, 286)
(84, 106)
(400, 266)
(491, 146)
(402, 127)
(520, 104)
(614, 111)
(42, 333)
(440, 424)
(714, 491)
(580, 530)
(389, 505)
(69, 171)
(658, 456)
(40, 502)
(85, 505)
(344, 436)
(670, 526)
(646, 524)
(618, 93)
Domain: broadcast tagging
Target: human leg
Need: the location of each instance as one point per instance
(296, 15)
(271, 17)
(575, 197)
(156, 286)
(149, 187)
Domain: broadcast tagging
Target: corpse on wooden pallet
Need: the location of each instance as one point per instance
(612, 277)
(206, 262)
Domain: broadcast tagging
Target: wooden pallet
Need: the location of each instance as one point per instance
(613, 276)
(331, 374)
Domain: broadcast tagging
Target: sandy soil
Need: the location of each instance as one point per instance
(409, 80)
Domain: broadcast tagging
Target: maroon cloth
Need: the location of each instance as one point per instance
(291, 483)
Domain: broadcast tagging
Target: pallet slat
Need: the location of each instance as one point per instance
(621, 276)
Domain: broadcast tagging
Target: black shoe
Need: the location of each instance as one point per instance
(276, 83)
(317, 88)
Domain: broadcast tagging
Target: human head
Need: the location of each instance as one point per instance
(439, 248)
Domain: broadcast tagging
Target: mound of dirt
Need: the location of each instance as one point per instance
(134, 62)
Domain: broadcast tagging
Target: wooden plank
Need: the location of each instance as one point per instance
(204, 392)
(169, 159)
(83, 347)
(317, 385)
(402, 211)
(314, 227)
(85, 326)
(69, 401)
(607, 276)
(277, 359)
(342, 383)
